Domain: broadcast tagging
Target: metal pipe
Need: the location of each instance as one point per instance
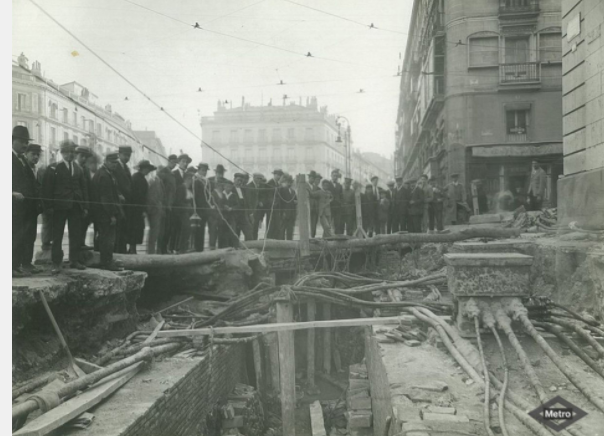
(585, 335)
(487, 383)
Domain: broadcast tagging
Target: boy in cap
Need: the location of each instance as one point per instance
(66, 199)
(176, 223)
(108, 210)
(390, 196)
(456, 205)
(373, 199)
(156, 210)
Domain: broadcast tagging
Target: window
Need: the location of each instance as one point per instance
(291, 154)
(35, 103)
(91, 126)
(65, 136)
(53, 136)
(262, 154)
(517, 50)
(309, 134)
(76, 139)
(65, 116)
(75, 119)
(83, 122)
(53, 110)
(248, 155)
(308, 153)
(276, 135)
(21, 102)
(277, 154)
(291, 134)
(99, 129)
(484, 52)
(234, 154)
(261, 135)
(550, 47)
(216, 136)
(247, 135)
(234, 136)
(517, 122)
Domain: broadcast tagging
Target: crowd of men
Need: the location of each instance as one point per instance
(178, 201)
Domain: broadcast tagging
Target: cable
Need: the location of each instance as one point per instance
(506, 370)
(487, 394)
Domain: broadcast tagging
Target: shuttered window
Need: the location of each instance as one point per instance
(484, 52)
(550, 47)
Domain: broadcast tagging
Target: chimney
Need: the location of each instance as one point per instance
(36, 69)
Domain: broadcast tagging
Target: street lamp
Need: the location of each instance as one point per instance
(346, 142)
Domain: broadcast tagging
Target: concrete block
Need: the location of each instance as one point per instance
(358, 419)
(574, 142)
(357, 393)
(360, 403)
(443, 410)
(573, 164)
(358, 384)
(594, 158)
(235, 422)
(574, 120)
(415, 426)
(595, 133)
(316, 419)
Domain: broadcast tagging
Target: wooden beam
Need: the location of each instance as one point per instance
(327, 340)
(311, 308)
(303, 215)
(70, 409)
(258, 365)
(287, 365)
(154, 333)
(280, 327)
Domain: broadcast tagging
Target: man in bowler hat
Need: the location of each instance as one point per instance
(19, 193)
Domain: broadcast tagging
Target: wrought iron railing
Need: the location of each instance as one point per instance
(520, 72)
(518, 6)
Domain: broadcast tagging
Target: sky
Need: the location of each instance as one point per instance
(157, 48)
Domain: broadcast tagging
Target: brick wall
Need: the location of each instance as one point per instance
(182, 410)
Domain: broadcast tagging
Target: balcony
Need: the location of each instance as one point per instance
(526, 75)
(518, 9)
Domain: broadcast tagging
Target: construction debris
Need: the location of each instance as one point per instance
(243, 411)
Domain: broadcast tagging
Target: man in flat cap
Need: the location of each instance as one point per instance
(273, 222)
(238, 204)
(400, 206)
(255, 202)
(123, 177)
(456, 206)
(169, 191)
(313, 181)
(373, 200)
(202, 193)
(288, 202)
(537, 186)
(66, 199)
(416, 206)
(335, 187)
(32, 206)
(349, 212)
(176, 224)
(390, 197)
(140, 191)
(108, 211)
(218, 176)
(20, 192)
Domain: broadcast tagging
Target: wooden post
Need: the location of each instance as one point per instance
(327, 340)
(273, 357)
(258, 365)
(287, 363)
(303, 215)
(311, 308)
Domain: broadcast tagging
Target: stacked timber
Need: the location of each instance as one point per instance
(243, 413)
(358, 401)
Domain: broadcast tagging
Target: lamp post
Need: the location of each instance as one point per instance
(346, 142)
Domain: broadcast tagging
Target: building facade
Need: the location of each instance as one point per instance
(54, 113)
(156, 151)
(481, 93)
(582, 186)
(296, 138)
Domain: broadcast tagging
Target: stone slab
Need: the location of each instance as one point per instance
(316, 419)
(487, 259)
(501, 246)
(358, 419)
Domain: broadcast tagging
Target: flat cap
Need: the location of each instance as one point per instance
(203, 166)
(36, 148)
(374, 177)
(172, 157)
(111, 156)
(239, 176)
(278, 171)
(84, 149)
(125, 149)
(67, 145)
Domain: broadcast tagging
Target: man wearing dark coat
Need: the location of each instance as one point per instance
(238, 203)
(335, 188)
(66, 199)
(373, 201)
(273, 221)
(107, 209)
(416, 206)
(349, 209)
(19, 193)
(400, 204)
(390, 196)
(82, 154)
(32, 206)
(313, 183)
(169, 185)
(287, 207)
(140, 189)
(123, 176)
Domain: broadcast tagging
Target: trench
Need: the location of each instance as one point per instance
(228, 386)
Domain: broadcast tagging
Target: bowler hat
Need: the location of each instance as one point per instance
(337, 172)
(278, 171)
(374, 177)
(257, 175)
(185, 157)
(67, 145)
(390, 183)
(239, 176)
(203, 166)
(146, 164)
(21, 132)
(312, 174)
(347, 179)
(220, 169)
(191, 170)
(172, 157)
(84, 149)
(125, 149)
(36, 148)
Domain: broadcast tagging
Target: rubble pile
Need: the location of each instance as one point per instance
(533, 220)
(243, 413)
